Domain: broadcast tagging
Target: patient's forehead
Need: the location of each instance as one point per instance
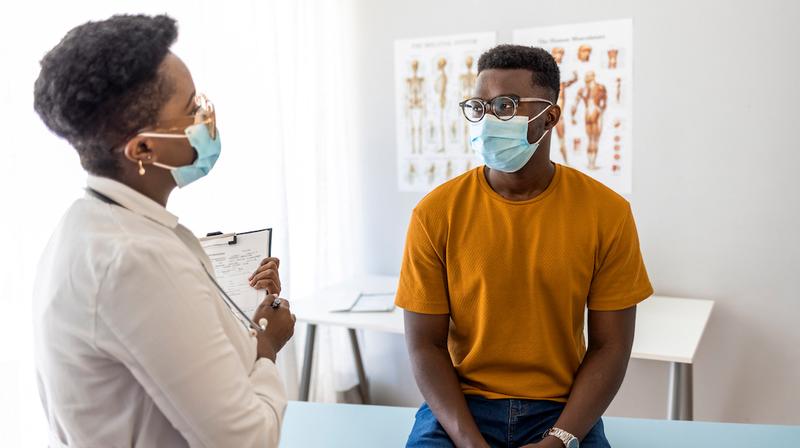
(495, 82)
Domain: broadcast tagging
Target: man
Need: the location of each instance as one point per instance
(499, 267)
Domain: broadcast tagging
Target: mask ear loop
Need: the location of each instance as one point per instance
(162, 135)
(539, 115)
(540, 138)
(164, 166)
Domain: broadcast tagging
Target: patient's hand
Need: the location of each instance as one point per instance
(549, 442)
(267, 277)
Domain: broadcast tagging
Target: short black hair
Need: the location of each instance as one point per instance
(101, 84)
(536, 60)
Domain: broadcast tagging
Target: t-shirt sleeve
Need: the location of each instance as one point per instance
(620, 279)
(423, 278)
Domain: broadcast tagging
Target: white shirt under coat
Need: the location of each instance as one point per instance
(134, 347)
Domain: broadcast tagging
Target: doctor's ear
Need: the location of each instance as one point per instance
(138, 149)
(139, 152)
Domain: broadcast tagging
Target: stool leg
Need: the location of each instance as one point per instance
(363, 386)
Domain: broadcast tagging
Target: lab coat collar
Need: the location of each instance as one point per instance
(132, 200)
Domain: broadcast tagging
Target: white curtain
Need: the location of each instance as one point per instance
(277, 72)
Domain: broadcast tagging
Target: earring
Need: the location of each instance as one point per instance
(141, 169)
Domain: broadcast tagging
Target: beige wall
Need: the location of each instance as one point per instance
(715, 188)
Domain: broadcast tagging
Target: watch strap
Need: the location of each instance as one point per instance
(561, 435)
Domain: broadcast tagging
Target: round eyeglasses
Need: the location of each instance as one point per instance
(503, 107)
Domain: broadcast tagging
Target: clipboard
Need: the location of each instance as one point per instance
(233, 238)
(235, 256)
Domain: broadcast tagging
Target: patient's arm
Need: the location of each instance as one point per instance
(426, 337)
(600, 374)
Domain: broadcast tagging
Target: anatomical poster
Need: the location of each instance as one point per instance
(432, 75)
(596, 128)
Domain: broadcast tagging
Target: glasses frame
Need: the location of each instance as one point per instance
(489, 106)
(205, 114)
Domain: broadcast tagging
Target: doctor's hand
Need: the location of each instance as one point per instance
(280, 327)
(266, 276)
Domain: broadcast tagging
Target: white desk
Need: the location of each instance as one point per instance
(667, 329)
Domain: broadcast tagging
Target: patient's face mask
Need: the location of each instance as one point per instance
(502, 143)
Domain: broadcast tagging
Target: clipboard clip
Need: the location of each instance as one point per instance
(230, 238)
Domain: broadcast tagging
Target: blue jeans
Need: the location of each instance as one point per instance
(503, 423)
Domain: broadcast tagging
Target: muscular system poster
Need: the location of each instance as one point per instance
(596, 129)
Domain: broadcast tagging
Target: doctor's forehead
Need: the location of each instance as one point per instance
(495, 82)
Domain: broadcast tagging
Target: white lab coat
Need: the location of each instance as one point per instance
(134, 346)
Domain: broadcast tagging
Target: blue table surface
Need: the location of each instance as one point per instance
(342, 425)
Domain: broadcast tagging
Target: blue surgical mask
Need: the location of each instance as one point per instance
(503, 145)
(207, 149)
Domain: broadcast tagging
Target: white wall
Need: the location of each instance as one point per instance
(715, 185)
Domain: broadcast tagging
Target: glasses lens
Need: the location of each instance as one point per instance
(504, 107)
(473, 110)
(206, 114)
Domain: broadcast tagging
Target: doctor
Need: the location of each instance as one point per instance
(135, 345)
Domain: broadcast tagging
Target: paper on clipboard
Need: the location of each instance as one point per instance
(235, 256)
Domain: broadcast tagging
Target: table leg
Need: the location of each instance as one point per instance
(680, 405)
(363, 386)
(308, 358)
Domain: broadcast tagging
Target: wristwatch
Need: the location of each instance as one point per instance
(569, 440)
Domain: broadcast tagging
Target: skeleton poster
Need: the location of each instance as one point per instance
(433, 75)
(594, 134)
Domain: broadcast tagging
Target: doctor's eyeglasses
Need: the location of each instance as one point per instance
(204, 113)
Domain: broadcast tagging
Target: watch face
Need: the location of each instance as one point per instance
(573, 443)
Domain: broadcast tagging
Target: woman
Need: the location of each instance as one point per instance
(134, 344)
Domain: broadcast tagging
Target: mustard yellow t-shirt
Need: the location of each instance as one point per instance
(516, 277)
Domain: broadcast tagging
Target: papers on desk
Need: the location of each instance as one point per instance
(373, 303)
(364, 303)
(235, 256)
(365, 300)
